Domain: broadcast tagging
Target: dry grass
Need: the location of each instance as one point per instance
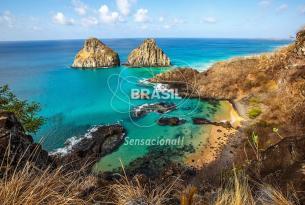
(239, 192)
(134, 192)
(236, 192)
(33, 186)
(24, 183)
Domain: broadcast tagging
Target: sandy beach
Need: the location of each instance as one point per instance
(217, 136)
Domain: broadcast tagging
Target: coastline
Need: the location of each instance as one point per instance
(216, 137)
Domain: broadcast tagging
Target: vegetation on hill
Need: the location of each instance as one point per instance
(25, 111)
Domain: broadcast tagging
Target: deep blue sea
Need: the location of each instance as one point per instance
(73, 100)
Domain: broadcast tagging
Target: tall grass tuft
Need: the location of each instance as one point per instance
(133, 192)
(33, 186)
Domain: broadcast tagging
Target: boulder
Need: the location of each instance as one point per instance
(171, 121)
(95, 54)
(161, 108)
(148, 54)
(98, 142)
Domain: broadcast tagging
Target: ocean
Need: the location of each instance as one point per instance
(73, 101)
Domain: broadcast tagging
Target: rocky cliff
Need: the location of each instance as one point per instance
(148, 54)
(269, 92)
(17, 148)
(300, 43)
(95, 54)
(275, 82)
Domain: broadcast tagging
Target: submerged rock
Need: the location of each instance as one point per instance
(95, 54)
(161, 107)
(148, 54)
(16, 147)
(171, 121)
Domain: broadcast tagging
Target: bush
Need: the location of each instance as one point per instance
(254, 112)
(25, 111)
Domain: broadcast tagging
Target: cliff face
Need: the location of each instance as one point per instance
(18, 148)
(276, 81)
(95, 54)
(15, 145)
(300, 43)
(148, 54)
(270, 91)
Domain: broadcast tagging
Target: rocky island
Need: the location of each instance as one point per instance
(148, 54)
(96, 54)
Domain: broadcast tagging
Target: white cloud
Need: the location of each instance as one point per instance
(79, 7)
(141, 16)
(166, 26)
(264, 3)
(7, 19)
(144, 27)
(60, 18)
(178, 21)
(303, 9)
(282, 8)
(89, 21)
(124, 6)
(36, 28)
(109, 17)
(209, 19)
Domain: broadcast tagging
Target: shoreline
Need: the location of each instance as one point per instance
(217, 137)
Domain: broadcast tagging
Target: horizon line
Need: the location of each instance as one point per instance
(229, 38)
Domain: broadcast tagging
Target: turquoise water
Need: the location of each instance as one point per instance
(74, 100)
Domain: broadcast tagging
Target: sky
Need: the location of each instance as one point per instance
(80, 19)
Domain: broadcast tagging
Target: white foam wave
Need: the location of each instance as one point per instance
(72, 141)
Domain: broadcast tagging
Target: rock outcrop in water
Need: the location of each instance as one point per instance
(18, 148)
(148, 54)
(95, 54)
(161, 108)
(170, 121)
(100, 141)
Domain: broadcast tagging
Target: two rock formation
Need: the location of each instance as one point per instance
(95, 54)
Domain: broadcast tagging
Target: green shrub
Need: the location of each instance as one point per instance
(254, 112)
(25, 111)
